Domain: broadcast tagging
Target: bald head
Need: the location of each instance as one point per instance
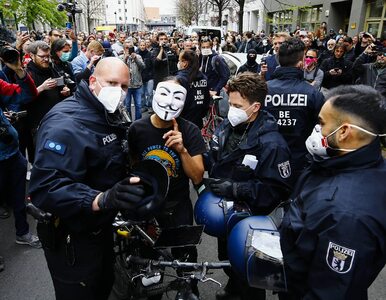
(110, 71)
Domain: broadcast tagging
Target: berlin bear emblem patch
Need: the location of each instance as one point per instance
(284, 169)
(339, 258)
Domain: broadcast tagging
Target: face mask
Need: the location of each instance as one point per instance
(168, 100)
(206, 52)
(237, 116)
(110, 97)
(265, 42)
(317, 144)
(65, 56)
(251, 60)
(309, 61)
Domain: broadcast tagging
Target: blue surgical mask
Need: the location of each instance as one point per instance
(65, 56)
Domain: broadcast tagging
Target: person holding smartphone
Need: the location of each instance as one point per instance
(337, 70)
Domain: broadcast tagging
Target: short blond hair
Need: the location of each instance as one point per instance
(95, 46)
(285, 35)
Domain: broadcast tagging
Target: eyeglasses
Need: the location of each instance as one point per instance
(381, 54)
(330, 44)
(47, 57)
(310, 57)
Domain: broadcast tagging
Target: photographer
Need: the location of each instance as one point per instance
(160, 58)
(83, 65)
(372, 73)
(50, 87)
(337, 70)
(60, 55)
(13, 166)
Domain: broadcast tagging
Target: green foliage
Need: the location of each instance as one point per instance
(31, 11)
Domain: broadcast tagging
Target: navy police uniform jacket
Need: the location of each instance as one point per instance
(78, 155)
(269, 183)
(333, 235)
(295, 104)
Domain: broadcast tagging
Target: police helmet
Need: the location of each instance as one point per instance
(217, 214)
(255, 255)
(155, 180)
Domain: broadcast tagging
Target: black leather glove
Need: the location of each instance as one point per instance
(223, 188)
(123, 195)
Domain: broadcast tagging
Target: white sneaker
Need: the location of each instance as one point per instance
(28, 239)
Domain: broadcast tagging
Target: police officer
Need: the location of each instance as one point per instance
(333, 234)
(80, 177)
(265, 180)
(293, 102)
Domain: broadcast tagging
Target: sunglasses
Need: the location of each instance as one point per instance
(310, 57)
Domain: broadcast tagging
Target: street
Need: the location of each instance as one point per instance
(26, 276)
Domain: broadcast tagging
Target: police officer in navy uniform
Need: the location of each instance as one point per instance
(80, 177)
(293, 102)
(262, 184)
(333, 234)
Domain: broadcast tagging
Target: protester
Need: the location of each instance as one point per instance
(312, 74)
(337, 70)
(147, 77)
(178, 144)
(251, 65)
(13, 166)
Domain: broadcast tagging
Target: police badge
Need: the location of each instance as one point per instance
(339, 258)
(284, 169)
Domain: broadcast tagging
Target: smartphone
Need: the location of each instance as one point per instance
(131, 50)
(302, 33)
(23, 29)
(60, 81)
(68, 25)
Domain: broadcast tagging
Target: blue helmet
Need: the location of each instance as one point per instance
(218, 215)
(255, 255)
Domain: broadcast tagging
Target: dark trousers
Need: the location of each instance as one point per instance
(12, 189)
(235, 284)
(81, 266)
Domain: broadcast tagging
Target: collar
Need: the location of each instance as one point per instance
(288, 73)
(363, 158)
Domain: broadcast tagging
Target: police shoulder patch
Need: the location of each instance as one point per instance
(55, 147)
(284, 169)
(339, 258)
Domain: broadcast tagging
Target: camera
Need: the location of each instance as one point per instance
(7, 53)
(70, 7)
(166, 45)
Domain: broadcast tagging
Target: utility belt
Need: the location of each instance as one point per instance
(52, 232)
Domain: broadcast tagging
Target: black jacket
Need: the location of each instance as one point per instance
(148, 72)
(295, 104)
(197, 98)
(46, 99)
(269, 184)
(369, 75)
(333, 234)
(247, 68)
(331, 81)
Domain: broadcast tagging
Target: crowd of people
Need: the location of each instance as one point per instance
(310, 111)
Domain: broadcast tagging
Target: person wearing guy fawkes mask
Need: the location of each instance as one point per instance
(333, 232)
(80, 176)
(213, 66)
(178, 145)
(251, 65)
(249, 162)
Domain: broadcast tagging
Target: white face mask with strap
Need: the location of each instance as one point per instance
(317, 144)
(110, 96)
(238, 116)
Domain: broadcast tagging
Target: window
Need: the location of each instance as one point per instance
(119, 10)
(310, 17)
(376, 19)
(281, 20)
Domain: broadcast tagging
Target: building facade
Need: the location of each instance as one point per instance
(353, 16)
(126, 15)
